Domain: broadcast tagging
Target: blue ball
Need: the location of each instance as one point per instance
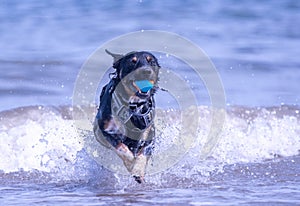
(144, 85)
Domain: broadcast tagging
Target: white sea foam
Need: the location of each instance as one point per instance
(45, 139)
(36, 138)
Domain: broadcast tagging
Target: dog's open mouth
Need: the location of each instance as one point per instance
(141, 81)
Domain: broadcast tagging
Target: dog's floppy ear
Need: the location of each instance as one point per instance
(116, 57)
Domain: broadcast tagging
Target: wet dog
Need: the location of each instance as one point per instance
(125, 118)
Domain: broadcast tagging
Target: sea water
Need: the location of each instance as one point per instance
(254, 47)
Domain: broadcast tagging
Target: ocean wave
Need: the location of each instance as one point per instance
(44, 143)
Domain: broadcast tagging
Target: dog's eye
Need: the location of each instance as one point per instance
(149, 58)
(134, 59)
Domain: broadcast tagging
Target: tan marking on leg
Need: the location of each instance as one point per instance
(126, 155)
(139, 167)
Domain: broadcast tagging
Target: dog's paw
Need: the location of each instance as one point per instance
(139, 167)
(138, 179)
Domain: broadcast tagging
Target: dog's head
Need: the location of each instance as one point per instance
(136, 66)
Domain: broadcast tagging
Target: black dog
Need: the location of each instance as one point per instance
(124, 121)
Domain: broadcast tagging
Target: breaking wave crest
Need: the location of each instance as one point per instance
(41, 144)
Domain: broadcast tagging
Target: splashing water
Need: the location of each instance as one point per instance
(42, 142)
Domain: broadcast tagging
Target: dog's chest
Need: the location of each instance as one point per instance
(132, 120)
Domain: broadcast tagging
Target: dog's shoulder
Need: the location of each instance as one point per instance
(110, 87)
(104, 110)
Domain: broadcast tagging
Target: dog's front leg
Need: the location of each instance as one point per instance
(126, 155)
(135, 165)
(142, 156)
(113, 138)
(139, 167)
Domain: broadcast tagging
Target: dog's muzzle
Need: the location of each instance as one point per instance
(145, 72)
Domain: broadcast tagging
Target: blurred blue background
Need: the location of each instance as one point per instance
(253, 44)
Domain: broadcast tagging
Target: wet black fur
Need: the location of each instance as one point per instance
(123, 67)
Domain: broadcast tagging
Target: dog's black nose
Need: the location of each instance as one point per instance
(146, 71)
